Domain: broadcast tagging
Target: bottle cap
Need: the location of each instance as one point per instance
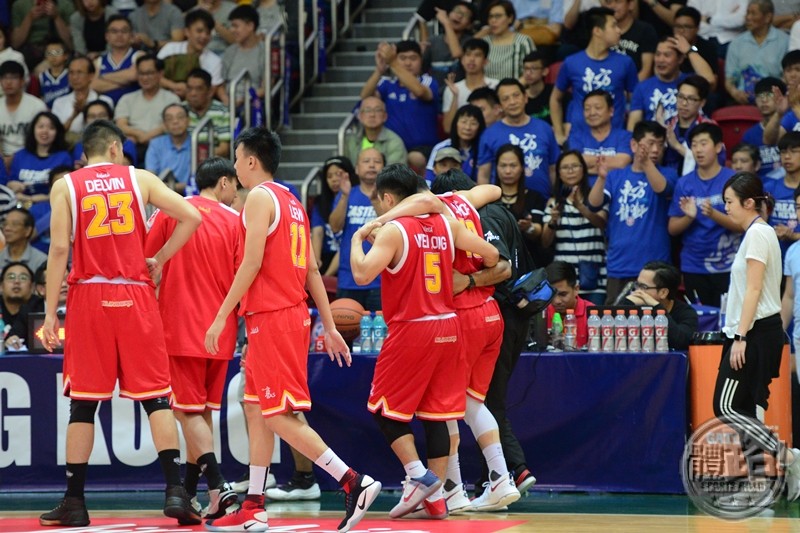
(379, 313)
(634, 311)
(594, 312)
(661, 312)
(570, 311)
(648, 311)
(606, 311)
(620, 311)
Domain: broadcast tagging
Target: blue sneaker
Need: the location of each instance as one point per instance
(415, 490)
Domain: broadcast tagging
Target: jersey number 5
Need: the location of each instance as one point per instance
(433, 272)
(101, 225)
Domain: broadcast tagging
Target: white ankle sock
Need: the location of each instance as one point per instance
(258, 475)
(415, 469)
(331, 463)
(454, 469)
(495, 459)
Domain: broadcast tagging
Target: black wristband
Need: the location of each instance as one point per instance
(738, 337)
(471, 284)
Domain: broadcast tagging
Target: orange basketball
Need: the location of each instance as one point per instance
(347, 315)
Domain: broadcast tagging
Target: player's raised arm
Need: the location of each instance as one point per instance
(421, 203)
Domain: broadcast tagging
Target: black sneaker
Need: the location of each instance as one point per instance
(302, 486)
(71, 512)
(221, 501)
(177, 504)
(363, 491)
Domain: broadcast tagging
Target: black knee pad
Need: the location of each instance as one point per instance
(155, 404)
(437, 438)
(391, 429)
(82, 411)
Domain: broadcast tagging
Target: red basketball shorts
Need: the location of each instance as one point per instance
(197, 383)
(482, 334)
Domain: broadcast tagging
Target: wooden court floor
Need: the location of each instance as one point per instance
(122, 512)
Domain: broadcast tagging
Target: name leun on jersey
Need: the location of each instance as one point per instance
(296, 213)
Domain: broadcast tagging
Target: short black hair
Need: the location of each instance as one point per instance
(264, 144)
(453, 180)
(641, 129)
(665, 276)
(409, 46)
(245, 13)
(173, 104)
(536, 55)
(597, 17)
(116, 18)
(509, 82)
(562, 271)
(765, 85)
(790, 140)
(791, 59)
(150, 57)
(604, 94)
(11, 67)
(212, 170)
(55, 171)
(713, 131)
(201, 75)
(40, 276)
(692, 13)
(102, 103)
(484, 93)
(397, 179)
(699, 83)
(751, 149)
(15, 264)
(476, 44)
(199, 15)
(99, 135)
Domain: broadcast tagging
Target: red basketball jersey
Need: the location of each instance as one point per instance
(467, 263)
(108, 224)
(421, 284)
(281, 281)
(197, 278)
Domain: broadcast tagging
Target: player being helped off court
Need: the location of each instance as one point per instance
(420, 370)
(277, 267)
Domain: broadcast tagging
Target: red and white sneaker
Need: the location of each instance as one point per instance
(250, 517)
(499, 492)
(430, 510)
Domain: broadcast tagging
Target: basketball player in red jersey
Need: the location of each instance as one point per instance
(482, 334)
(113, 328)
(193, 285)
(417, 369)
(277, 267)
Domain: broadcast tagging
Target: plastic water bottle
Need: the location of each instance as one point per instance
(378, 332)
(662, 330)
(634, 327)
(593, 327)
(648, 331)
(363, 343)
(557, 332)
(570, 331)
(620, 332)
(607, 331)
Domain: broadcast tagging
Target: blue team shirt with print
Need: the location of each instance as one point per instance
(784, 212)
(51, 87)
(652, 92)
(616, 74)
(359, 212)
(769, 153)
(637, 221)
(538, 144)
(618, 141)
(34, 171)
(414, 120)
(708, 248)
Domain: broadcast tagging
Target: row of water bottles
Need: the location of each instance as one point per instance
(628, 334)
(373, 333)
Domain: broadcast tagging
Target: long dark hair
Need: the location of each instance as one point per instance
(59, 144)
(468, 110)
(560, 189)
(517, 207)
(326, 197)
